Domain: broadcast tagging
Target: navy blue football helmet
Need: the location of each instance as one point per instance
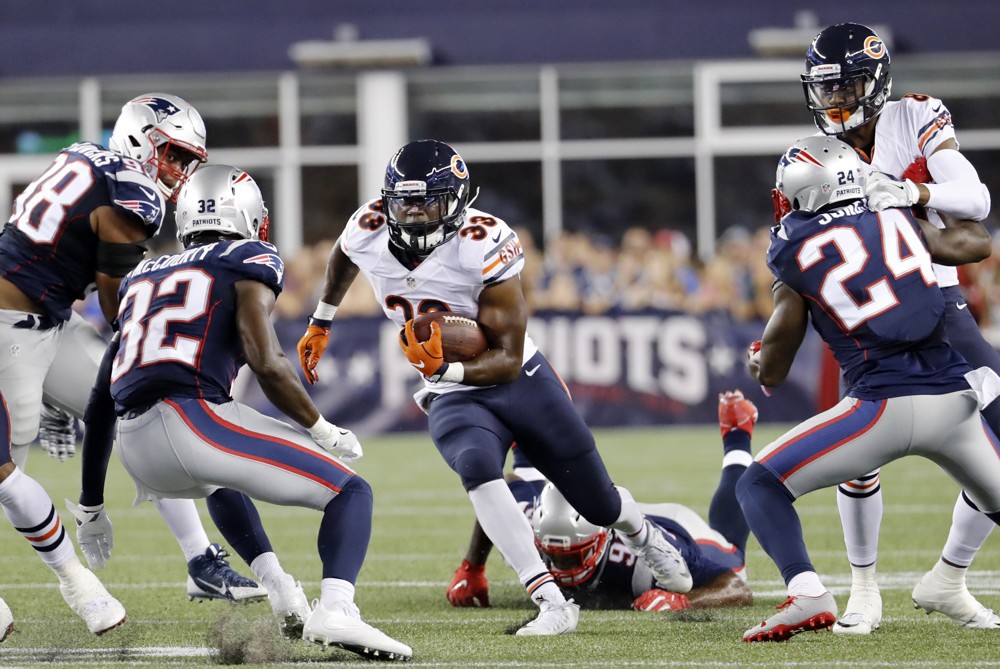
(847, 78)
(425, 195)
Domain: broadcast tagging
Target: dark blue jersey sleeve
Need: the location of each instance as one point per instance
(256, 260)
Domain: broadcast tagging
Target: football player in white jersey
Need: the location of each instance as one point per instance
(847, 85)
(423, 248)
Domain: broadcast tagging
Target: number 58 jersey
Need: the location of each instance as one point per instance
(179, 336)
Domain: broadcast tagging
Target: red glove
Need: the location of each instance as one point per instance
(426, 356)
(917, 172)
(311, 347)
(468, 585)
(661, 600)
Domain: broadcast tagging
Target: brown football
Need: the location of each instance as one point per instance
(461, 337)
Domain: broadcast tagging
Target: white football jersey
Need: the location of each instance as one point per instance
(484, 252)
(909, 128)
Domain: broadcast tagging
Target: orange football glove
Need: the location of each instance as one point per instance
(661, 600)
(469, 585)
(426, 356)
(311, 347)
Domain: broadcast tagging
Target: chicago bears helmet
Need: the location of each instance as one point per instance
(815, 172)
(571, 547)
(221, 199)
(149, 126)
(847, 79)
(425, 195)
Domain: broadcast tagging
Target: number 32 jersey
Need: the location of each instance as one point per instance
(178, 322)
(48, 248)
(872, 295)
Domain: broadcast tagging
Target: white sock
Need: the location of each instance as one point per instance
(185, 523)
(336, 593)
(948, 573)
(861, 518)
(630, 521)
(969, 530)
(268, 570)
(506, 526)
(806, 584)
(863, 578)
(30, 510)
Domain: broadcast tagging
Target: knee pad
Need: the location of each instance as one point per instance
(358, 486)
(476, 466)
(758, 475)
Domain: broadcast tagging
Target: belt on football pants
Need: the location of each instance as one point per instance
(35, 322)
(135, 412)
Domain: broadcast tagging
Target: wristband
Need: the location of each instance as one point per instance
(320, 428)
(324, 312)
(452, 372)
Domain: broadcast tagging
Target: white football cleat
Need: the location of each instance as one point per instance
(89, 599)
(553, 619)
(665, 561)
(863, 614)
(290, 606)
(343, 627)
(6, 620)
(953, 599)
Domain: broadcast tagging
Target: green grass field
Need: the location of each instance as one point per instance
(422, 522)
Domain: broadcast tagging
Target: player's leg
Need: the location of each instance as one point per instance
(25, 503)
(833, 446)
(943, 588)
(859, 502)
(221, 449)
(969, 456)
(737, 417)
(67, 388)
(474, 442)
(556, 440)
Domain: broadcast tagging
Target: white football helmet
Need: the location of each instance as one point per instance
(571, 547)
(223, 199)
(815, 172)
(149, 126)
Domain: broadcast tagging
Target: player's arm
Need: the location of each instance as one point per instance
(961, 241)
(340, 274)
(94, 532)
(120, 238)
(957, 189)
(782, 338)
(275, 373)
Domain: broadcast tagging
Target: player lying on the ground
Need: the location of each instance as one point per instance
(594, 567)
(189, 322)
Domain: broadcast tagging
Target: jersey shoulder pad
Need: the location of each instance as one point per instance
(129, 187)
(365, 229)
(253, 259)
(491, 247)
(928, 121)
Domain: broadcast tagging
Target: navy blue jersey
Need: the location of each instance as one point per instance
(48, 248)
(872, 296)
(178, 324)
(620, 576)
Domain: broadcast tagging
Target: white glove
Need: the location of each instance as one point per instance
(93, 533)
(57, 433)
(336, 440)
(884, 193)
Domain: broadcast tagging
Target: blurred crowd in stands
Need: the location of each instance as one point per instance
(592, 274)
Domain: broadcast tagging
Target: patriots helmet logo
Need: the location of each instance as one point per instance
(269, 259)
(162, 108)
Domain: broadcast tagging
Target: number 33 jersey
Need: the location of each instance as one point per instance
(178, 322)
(48, 248)
(867, 281)
(485, 252)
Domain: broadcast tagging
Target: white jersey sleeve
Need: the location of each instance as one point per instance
(366, 235)
(927, 121)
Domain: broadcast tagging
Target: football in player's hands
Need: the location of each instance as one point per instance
(461, 337)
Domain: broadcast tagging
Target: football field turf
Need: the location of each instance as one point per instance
(421, 527)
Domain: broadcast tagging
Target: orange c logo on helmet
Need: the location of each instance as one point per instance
(874, 47)
(458, 167)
